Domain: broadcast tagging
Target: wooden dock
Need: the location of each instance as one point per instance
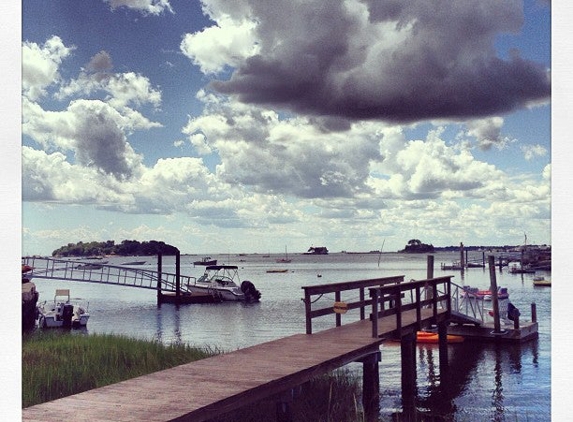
(210, 387)
(213, 386)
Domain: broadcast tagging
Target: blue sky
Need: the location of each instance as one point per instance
(246, 126)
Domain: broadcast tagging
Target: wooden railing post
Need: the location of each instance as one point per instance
(362, 310)
(338, 316)
(398, 311)
(418, 304)
(307, 309)
(374, 296)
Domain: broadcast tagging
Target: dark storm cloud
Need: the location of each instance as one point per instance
(100, 141)
(400, 61)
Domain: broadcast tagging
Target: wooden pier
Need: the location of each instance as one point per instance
(211, 387)
(204, 389)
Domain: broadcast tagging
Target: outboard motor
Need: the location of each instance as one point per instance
(250, 291)
(67, 314)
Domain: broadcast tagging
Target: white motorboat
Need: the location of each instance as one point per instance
(223, 281)
(62, 313)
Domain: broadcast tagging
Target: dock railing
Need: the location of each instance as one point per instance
(466, 303)
(95, 272)
(313, 293)
(434, 293)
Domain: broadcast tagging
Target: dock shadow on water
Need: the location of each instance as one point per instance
(453, 396)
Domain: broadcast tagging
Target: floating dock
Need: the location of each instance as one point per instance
(486, 332)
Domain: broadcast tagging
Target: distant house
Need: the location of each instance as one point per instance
(320, 250)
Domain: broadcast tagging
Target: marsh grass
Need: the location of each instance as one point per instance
(58, 364)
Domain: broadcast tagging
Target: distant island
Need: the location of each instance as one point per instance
(416, 246)
(125, 248)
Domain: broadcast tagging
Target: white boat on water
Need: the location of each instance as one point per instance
(62, 313)
(223, 281)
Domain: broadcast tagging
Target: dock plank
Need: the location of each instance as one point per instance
(209, 387)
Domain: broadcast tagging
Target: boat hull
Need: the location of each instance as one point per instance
(223, 294)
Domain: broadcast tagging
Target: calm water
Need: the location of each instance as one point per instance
(486, 382)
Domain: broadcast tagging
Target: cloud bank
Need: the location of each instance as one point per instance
(394, 61)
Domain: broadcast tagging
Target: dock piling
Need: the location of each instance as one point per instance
(533, 312)
(493, 289)
(159, 270)
(371, 386)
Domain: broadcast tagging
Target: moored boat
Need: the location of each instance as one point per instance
(284, 260)
(475, 293)
(62, 313)
(224, 281)
(206, 261)
(541, 281)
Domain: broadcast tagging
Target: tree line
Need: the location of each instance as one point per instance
(109, 247)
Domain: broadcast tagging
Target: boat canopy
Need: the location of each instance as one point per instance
(222, 267)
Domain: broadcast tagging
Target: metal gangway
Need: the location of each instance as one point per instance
(102, 273)
(469, 308)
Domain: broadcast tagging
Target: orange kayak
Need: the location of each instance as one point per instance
(429, 337)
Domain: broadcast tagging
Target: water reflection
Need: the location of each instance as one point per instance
(171, 311)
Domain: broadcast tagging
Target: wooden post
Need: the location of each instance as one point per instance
(533, 312)
(443, 348)
(430, 267)
(493, 289)
(362, 311)
(159, 269)
(338, 317)
(374, 296)
(307, 309)
(462, 262)
(408, 355)
(515, 314)
(371, 387)
(428, 292)
(177, 276)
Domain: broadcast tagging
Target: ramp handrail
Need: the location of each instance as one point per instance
(94, 272)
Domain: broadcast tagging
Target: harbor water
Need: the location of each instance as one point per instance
(486, 381)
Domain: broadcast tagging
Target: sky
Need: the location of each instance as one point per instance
(255, 125)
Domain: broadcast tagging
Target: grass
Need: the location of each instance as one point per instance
(57, 364)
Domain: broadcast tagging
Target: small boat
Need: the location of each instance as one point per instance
(541, 281)
(454, 266)
(91, 265)
(284, 260)
(206, 261)
(519, 269)
(223, 281)
(62, 313)
(278, 270)
(434, 338)
(134, 263)
(475, 293)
